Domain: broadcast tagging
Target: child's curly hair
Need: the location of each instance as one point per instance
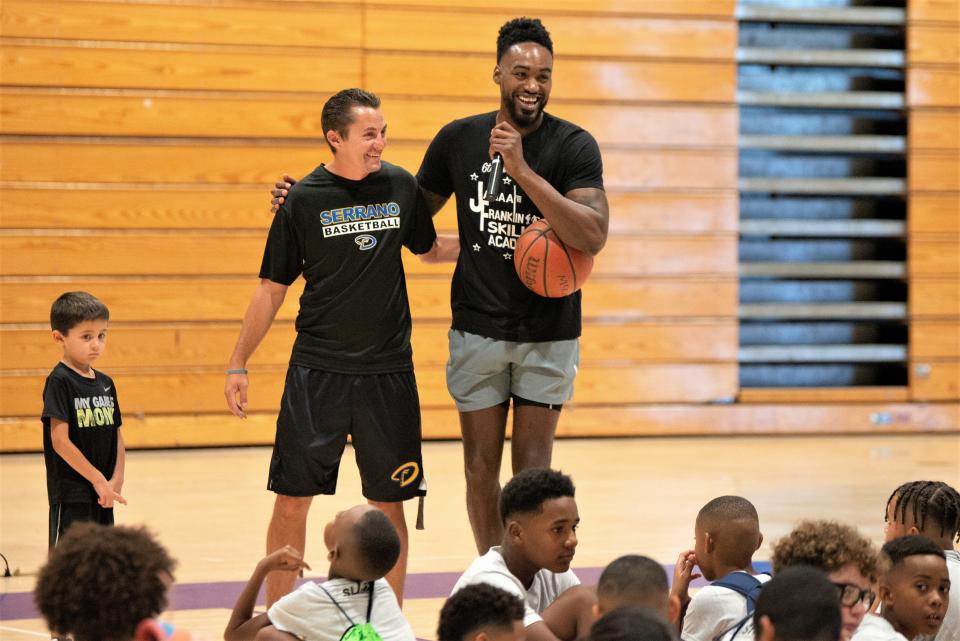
(100, 582)
(827, 545)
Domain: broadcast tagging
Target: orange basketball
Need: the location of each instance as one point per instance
(546, 266)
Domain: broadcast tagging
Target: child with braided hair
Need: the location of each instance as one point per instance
(930, 508)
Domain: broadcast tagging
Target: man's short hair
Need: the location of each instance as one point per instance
(526, 492)
(827, 546)
(73, 308)
(378, 544)
(899, 549)
(337, 112)
(634, 579)
(475, 608)
(522, 30)
(631, 623)
(100, 582)
(802, 604)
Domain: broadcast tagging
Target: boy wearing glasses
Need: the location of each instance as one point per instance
(848, 558)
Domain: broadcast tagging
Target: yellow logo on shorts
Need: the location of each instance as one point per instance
(406, 474)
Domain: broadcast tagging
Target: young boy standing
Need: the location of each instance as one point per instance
(82, 445)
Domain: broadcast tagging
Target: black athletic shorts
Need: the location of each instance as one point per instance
(381, 412)
(63, 515)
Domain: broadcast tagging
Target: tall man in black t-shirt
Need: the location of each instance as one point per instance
(507, 342)
(351, 371)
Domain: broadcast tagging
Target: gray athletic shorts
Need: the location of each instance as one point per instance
(483, 372)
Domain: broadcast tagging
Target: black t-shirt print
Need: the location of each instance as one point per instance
(345, 237)
(487, 297)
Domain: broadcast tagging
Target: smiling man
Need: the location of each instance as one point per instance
(351, 372)
(505, 341)
(540, 520)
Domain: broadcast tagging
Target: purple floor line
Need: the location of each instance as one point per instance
(223, 594)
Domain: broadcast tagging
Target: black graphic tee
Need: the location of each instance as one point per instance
(345, 236)
(90, 409)
(487, 297)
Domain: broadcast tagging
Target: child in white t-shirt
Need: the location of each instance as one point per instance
(362, 547)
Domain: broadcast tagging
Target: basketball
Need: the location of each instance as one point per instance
(546, 266)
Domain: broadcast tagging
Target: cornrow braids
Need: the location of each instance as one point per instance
(928, 499)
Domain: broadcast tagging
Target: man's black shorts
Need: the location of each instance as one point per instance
(63, 515)
(381, 412)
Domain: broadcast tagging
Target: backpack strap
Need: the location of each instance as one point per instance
(373, 587)
(744, 584)
(339, 607)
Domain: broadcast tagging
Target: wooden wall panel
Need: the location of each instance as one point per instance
(933, 87)
(150, 133)
(178, 391)
(933, 10)
(933, 44)
(932, 171)
(934, 129)
(934, 339)
(934, 298)
(251, 164)
(939, 381)
(183, 67)
(934, 257)
(714, 8)
(140, 113)
(335, 25)
(934, 214)
(198, 345)
(181, 253)
(452, 30)
(53, 206)
(598, 80)
(226, 298)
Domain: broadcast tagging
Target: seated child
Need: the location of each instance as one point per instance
(931, 508)
(848, 558)
(104, 582)
(540, 519)
(798, 604)
(481, 612)
(632, 623)
(727, 533)
(362, 547)
(636, 581)
(914, 592)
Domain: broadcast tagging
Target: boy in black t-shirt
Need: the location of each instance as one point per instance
(82, 445)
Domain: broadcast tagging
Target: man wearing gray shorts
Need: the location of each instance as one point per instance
(505, 341)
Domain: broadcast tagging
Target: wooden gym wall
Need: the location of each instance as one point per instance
(933, 98)
(139, 138)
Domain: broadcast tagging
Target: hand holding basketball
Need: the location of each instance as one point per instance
(547, 266)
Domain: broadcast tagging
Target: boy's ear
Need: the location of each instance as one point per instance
(595, 609)
(496, 75)
(884, 593)
(767, 631)
(710, 541)
(759, 542)
(514, 530)
(57, 336)
(913, 531)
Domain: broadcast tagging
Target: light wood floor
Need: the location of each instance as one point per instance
(635, 496)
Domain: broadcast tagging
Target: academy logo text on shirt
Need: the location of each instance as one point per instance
(359, 219)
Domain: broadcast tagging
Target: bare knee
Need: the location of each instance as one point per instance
(292, 508)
